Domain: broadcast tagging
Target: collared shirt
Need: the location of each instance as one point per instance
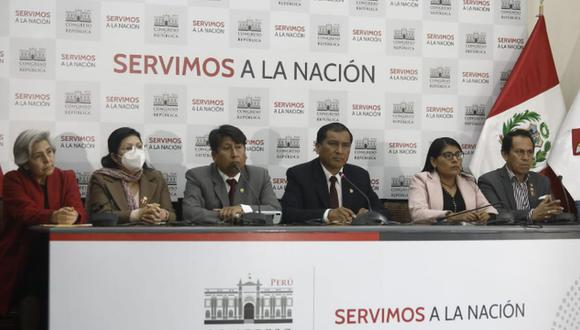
(225, 177)
(520, 191)
(338, 185)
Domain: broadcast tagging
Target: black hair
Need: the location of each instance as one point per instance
(114, 142)
(334, 127)
(218, 134)
(507, 140)
(435, 151)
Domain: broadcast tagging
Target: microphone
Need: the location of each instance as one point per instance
(470, 210)
(254, 219)
(371, 218)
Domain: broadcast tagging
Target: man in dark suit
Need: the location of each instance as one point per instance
(226, 189)
(316, 190)
(514, 186)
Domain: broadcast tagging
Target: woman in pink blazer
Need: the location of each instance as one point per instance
(442, 189)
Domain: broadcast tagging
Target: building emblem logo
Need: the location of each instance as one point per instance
(328, 35)
(404, 113)
(250, 302)
(404, 107)
(77, 103)
(476, 43)
(288, 147)
(404, 39)
(511, 5)
(400, 186)
(401, 181)
(537, 127)
(250, 30)
(511, 9)
(169, 21)
(165, 105)
(440, 77)
(440, 7)
(32, 60)
(249, 108)
(78, 21)
(166, 26)
(475, 114)
(365, 148)
(328, 110)
(201, 146)
(78, 15)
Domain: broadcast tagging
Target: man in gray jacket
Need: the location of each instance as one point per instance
(227, 188)
(514, 187)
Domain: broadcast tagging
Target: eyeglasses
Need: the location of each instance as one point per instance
(449, 155)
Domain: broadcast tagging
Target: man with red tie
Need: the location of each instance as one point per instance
(320, 191)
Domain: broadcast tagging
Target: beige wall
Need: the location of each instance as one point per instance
(563, 23)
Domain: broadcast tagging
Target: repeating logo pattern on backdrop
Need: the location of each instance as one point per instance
(95, 66)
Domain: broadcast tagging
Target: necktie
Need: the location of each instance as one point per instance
(333, 193)
(232, 183)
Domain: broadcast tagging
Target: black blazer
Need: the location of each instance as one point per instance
(306, 196)
(497, 187)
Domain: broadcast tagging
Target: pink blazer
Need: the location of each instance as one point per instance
(426, 196)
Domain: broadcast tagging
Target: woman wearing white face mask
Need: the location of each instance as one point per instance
(126, 185)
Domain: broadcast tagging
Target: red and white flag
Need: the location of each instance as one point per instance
(531, 99)
(565, 156)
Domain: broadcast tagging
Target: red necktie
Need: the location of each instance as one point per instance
(333, 193)
(232, 183)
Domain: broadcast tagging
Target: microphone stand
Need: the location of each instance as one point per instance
(371, 218)
(254, 219)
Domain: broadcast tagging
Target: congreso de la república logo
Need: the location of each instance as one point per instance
(249, 301)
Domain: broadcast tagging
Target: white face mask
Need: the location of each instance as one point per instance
(133, 160)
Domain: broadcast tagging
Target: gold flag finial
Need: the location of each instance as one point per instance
(541, 8)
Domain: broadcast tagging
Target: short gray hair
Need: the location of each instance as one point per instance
(24, 142)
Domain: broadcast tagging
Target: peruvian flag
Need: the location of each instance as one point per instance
(565, 156)
(531, 99)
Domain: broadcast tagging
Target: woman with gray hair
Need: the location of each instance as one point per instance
(36, 193)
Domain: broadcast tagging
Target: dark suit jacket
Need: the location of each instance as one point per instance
(497, 187)
(24, 207)
(105, 194)
(205, 191)
(306, 196)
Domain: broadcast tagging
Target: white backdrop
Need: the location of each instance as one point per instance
(158, 284)
(398, 73)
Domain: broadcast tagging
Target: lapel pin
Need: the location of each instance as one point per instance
(241, 190)
(351, 191)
